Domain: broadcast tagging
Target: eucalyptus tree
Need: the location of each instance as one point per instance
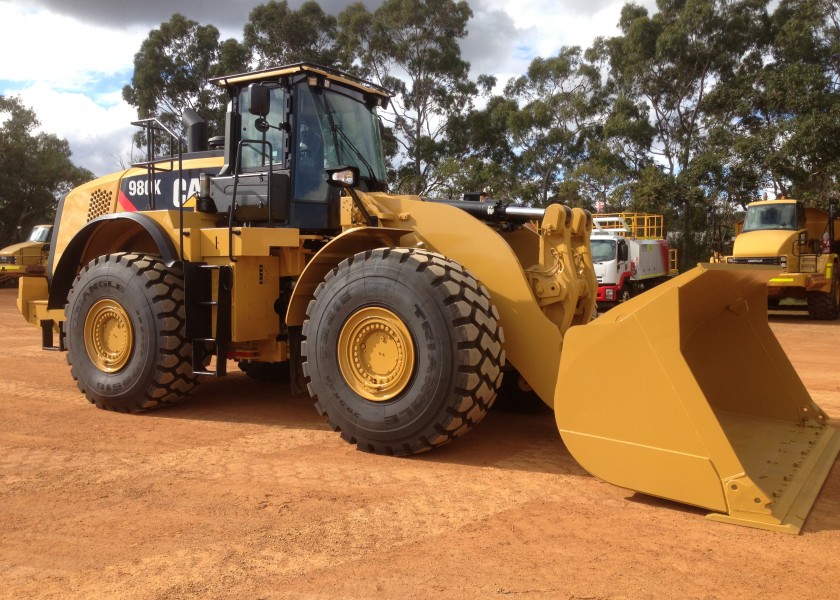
(796, 100)
(412, 47)
(276, 35)
(172, 70)
(37, 171)
(672, 61)
(560, 103)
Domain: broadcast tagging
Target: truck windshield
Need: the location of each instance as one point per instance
(40, 233)
(336, 128)
(770, 216)
(602, 250)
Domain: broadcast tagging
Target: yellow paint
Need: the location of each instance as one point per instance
(376, 354)
(725, 426)
(109, 336)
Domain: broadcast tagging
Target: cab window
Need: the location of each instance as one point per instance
(268, 145)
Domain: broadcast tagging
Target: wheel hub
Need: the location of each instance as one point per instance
(376, 354)
(109, 337)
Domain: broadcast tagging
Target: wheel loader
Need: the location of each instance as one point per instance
(281, 249)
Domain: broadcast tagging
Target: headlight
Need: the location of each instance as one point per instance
(783, 262)
(610, 294)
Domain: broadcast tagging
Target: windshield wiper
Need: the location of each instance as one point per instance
(334, 127)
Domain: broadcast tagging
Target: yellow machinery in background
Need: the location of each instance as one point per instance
(284, 252)
(27, 257)
(800, 242)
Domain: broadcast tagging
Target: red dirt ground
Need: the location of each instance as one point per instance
(242, 491)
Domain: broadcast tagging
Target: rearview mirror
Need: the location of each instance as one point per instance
(258, 100)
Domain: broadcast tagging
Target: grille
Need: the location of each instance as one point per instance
(7, 260)
(100, 204)
(758, 260)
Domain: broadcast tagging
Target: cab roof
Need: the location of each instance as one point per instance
(772, 202)
(327, 73)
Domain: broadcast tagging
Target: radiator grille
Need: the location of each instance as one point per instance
(100, 204)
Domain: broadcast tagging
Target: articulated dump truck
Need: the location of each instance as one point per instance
(280, 248)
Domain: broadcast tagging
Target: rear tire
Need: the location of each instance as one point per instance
(125, 333)
(825, 306)
(402, 349)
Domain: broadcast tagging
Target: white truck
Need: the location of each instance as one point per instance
(630, 254)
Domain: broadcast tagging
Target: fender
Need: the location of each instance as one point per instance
(343, 246)
(116, 232)
(624, 277)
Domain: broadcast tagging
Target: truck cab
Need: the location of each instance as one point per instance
(630, 254)
(610, 254)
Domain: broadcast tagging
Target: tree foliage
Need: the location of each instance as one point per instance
(173, 68)
(36, 172)
(277, 35)
(411, 47)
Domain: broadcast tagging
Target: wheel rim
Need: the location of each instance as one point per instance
(109, 337)
(376, 354)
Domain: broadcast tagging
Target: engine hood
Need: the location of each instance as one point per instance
(764, 243)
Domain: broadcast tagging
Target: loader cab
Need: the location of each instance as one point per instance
(286, 128)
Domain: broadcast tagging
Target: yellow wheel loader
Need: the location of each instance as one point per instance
(282, 250)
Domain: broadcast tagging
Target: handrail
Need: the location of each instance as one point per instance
(150, 125)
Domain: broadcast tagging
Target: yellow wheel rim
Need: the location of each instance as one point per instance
(376, 354)
(109, 337)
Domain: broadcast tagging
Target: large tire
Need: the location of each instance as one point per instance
(402, 349)
(125, 333)
(825, 306)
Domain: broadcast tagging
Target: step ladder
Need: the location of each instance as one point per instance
(198, 315)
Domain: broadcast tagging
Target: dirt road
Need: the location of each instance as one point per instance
(243, 492)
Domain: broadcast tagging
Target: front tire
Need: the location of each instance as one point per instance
(125, 333)
(402, 349)
(825, 306)
(625, 293)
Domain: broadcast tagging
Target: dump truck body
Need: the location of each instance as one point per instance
(630, 255)
(801, 242)
(27, 257)
(397, 313)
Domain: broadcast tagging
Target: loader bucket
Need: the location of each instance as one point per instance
(684, 393)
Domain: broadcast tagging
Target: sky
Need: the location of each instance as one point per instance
(68, 60)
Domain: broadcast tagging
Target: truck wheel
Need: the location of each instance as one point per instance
(125, 333)
(625, 294)
(825, 306)
(402, 350)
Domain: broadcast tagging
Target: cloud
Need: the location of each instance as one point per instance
(73, 80)
(69, 59)
(98, 127)
(224, 14)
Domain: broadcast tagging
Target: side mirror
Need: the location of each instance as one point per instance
(258, 100)
(623, 253)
